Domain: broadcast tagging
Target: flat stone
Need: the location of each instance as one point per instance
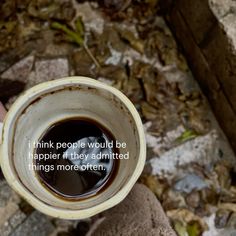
(20, 70)
(17, 219)
(36, 224)
(6, 230)
(11, 56)
(7, 212)
(8, 227)
(49, 69)
(9, 208)
(5, 193)
(45, 70)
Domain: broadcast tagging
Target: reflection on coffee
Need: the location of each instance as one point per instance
(82, 168)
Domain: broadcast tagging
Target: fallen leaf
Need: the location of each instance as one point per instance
(194, 229)
(186, 216)
(180, 228)
(186, 135)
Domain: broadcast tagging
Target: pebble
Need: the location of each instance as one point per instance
(36, 224)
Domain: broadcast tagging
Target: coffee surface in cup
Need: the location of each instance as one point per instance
(80, 140)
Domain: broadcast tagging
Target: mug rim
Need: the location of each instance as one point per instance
(25, 193)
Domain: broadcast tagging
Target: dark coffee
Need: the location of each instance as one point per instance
(80, 166)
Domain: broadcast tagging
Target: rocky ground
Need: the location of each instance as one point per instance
(127, 44)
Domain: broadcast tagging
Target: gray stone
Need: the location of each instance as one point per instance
(20, 70)
(17, 219)
(6, 230)
(48, 69)
(44, 70)
(36, 224)
(9, 226)
(9, 209)
(5, 193)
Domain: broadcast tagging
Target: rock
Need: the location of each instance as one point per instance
(5, 193)
(20, 70)
(7, 59)
(6, 230)
(35, 225)
(9, 226)
(9, 210)
(50, 69)
(17, 219)
(44, 70)
(139, 214)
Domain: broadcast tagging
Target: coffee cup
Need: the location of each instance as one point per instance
(39, 108)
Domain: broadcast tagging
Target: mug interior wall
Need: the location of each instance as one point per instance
(82, 101)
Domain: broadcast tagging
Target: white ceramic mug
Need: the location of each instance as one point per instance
(47, 103)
